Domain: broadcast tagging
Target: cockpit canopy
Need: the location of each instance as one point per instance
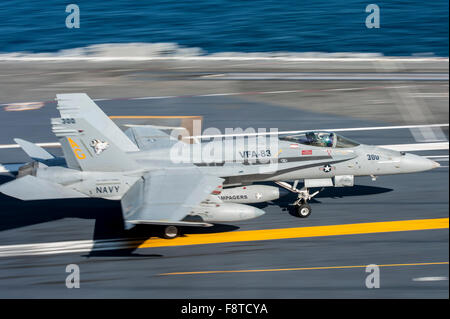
(320, 139)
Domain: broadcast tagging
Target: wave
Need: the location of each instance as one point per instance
(168, 50)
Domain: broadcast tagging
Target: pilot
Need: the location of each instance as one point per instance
(325, 140)
(310, 138)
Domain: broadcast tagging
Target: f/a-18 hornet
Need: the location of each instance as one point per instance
(137, 167)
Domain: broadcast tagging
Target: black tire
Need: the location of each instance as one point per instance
(303, 210)
(170, 232)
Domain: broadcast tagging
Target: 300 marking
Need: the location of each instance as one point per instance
(68, 121)
(373, 157)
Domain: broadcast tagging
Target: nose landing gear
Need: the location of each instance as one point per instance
(303, 209)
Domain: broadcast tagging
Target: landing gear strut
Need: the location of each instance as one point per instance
(170, 232)
(303, 196)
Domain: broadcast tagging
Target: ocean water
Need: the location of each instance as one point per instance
(413, 27)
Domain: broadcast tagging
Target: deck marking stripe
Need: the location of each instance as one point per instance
(295, 269)
(65, 247)
(300, 232)
(12, 106)
(435, 278)
(350, 129)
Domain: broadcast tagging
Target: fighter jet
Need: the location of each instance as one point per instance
(160, 179)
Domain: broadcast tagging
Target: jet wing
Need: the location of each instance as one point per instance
(33, 188)
(165, 197)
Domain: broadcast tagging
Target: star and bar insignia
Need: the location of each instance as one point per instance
(327, 168)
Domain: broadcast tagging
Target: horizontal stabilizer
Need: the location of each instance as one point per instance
(10, 168)
(33, 188)
(35, 152)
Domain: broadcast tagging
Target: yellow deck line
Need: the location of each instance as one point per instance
(293, 269)
(300, 232)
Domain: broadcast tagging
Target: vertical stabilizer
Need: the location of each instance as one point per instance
(89, 139)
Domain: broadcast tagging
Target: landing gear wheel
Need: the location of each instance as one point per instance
(303, 210)
(170, 232)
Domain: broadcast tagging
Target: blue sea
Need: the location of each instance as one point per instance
(406, 27)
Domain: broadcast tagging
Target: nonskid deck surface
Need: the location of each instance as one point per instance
(274, 256)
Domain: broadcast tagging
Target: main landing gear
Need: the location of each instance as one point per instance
(303, 209)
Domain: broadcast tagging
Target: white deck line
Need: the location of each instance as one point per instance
(373, 128)
(31, 58)
(441, 145)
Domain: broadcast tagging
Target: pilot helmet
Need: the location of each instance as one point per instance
(326, 139)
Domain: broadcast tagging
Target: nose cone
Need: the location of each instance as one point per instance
(436, 164)
(413, 163)
(249, 212)
(253, 212)
(258, 212)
